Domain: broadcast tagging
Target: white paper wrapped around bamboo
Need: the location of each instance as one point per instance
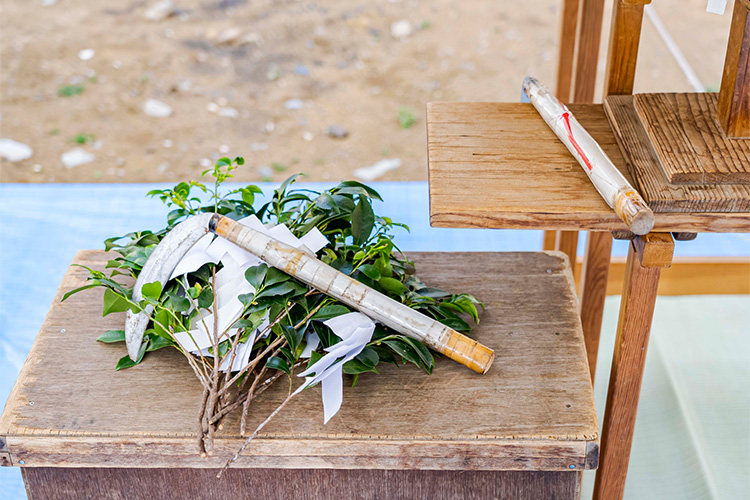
(351, 292)
(608, 181)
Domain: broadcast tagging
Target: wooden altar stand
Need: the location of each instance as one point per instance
(526, 429)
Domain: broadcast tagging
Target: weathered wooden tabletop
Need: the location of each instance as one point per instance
(498, 165)
(533, 410)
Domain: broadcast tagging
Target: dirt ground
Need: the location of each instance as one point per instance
(233, 72)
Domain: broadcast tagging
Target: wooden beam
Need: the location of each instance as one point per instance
(633, 329)
(624, 38)
(734, 96)
(655, 249)
(688, 276)
(593, 289)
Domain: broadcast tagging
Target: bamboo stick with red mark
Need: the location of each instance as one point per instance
(608, 181)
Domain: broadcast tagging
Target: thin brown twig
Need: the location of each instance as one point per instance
(214, 393)
(255, 433)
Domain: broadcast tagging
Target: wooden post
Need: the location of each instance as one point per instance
(567, 243)
(566, 53)
(624, 38)
(594, 274)
(734, 97)
(587, 50)
(647, 255)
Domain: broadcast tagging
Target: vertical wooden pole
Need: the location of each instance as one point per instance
(593, 291)
(733, 110)
(587, 50)
(567, 243)
(566, 49)
(624, 38)
(646, 257)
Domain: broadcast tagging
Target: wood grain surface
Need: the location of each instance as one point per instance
(498, 165)
(628, 361)
(284, 484)
(717, 200)
(689, 143)
(534, 410)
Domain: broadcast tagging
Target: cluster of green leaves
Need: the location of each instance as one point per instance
(360, 244)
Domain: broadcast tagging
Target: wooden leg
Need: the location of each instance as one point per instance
(567, 243)
(594, 291)
(646, 257)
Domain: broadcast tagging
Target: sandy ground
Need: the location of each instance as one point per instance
(231, 69)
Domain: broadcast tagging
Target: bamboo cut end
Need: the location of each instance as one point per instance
(634, 211)
(468, 352)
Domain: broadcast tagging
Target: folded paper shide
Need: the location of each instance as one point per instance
(302, 285)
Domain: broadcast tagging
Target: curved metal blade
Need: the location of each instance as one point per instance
(159, 266)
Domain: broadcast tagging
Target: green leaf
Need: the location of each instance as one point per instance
(79, 289)
(329, 312)
(275, 276)
(126, 362)
(157, 343)
(363, 221)
(354, 187)
(404, 350)
(277, 363)
(256, 274)
(114, 302)
(370, 271)
(424, 354)
(392, 286)
(355, 367)
(206, 298)
(151, 291)
(178, 303)
(112, 336)
(275, 290)
(292, 336)
(369, 357)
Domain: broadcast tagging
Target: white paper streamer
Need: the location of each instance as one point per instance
(355, 330)
(230, 284)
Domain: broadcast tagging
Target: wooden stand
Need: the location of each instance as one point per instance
(525, 429)
(486, 171)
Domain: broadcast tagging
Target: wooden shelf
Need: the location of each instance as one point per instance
(533, 411)
(498, 165)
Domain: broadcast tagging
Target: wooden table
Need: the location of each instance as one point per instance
(498, 165)
(526, 429)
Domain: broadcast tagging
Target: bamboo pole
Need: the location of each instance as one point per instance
(608, 181)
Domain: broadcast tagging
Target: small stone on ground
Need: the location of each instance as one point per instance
(14, 151)
(157, 109)
(76, 157)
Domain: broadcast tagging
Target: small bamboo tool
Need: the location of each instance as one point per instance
(612, 186)
(310, 271)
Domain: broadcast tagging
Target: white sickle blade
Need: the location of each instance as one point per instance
(159, 267)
